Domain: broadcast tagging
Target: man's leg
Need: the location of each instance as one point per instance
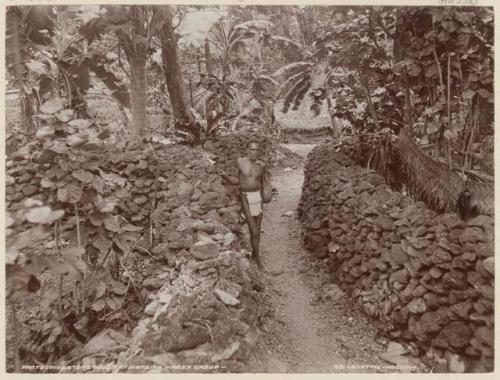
(253, 229)
(258, 220)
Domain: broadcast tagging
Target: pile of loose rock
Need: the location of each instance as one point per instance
(200, 293)
(427, 278)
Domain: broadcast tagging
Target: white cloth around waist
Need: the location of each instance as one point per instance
(253, 196)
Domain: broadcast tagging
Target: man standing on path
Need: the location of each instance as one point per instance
(253, 177)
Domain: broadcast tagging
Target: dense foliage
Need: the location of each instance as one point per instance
(88, 77)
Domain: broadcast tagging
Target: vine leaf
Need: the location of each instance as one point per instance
(98, 184)
(469, 94)
(98, 305)
(95, 219)
(43, 215)
(100, 290)
(69, 194)
(83, 176)
(121, 244)
(114, 302)
(52, 105)
(102, 243)
(111, 223)
(65, 115)
(46, 183)
(45, 132)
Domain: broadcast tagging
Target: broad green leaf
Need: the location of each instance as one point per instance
(30, 237)
(95, 219)
(77, 263)
(484, 93)
(80, 123)
(432, 127)
(432, 72)
(469, 94)
(57, 265)
(121, 244)
(37, 67)
(98, 184)
(45, 132)
(131, 228)
(17, 282)
(100, 290)
(118, 288)
(52, 105)
(450, 135)
(71, 193)
(74, 193)
(102, 243)
(83, 175)
(9, 221)
(47, 156)
(76, 139)
(73, 251)
(65, 115)
(46, 183)
(30, 202)
(414, 70)
(43, 215)
(111, 223)
(11, 256)
(114, 302)
(59, 147)
(98, 305)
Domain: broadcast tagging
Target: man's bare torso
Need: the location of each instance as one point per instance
(250, 174)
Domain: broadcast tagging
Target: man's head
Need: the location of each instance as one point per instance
(253, 149)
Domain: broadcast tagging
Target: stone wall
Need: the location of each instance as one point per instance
(196, 277)
(427, 279)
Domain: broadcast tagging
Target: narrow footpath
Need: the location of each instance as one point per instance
(310, 325)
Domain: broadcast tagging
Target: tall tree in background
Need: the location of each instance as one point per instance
(24, 26)
(134, 27)
(173, 76)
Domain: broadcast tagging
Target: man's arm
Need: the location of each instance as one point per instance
(231, 179)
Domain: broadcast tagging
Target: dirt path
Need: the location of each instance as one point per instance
(304, 331)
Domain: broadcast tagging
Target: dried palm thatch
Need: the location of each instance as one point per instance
(432, 181)
(426, 179)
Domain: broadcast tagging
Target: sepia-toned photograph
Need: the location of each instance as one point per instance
(210, 188)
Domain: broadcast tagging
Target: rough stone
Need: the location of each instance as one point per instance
(456, 279)
(489, 265)
(398, 257)
(152, 283)
(401, 275)
(472, 235)
(440, 256)
(417, 306)
(455, 363)
(431, 300)
(204, 250)
(160, 249)
(384, 222)
(435, 272)
(454, 334)
(226, 298)
(454, 249)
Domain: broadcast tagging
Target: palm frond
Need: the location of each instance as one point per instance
(292, 67)
(291, 81)
(427, 179)
(296, 93)
(286, 41)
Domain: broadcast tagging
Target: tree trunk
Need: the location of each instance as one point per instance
(208, 58)
(138, 94)
(23, 99)
(305, 19)
(173, 77)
